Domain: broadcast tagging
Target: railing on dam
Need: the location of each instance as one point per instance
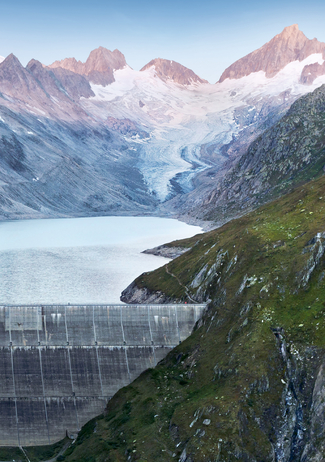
(60, 364)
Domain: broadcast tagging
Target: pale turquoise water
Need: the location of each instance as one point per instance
(79, 260)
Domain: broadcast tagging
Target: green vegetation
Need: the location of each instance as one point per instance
(240, 387)
(43, 453)
(34, 453)
(9, 454)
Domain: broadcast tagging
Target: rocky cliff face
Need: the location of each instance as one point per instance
(291, 45)
(98, 68)
(170, 70)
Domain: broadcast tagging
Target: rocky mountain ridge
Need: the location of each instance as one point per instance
(99, 67)
(30, 89)
(291, 45)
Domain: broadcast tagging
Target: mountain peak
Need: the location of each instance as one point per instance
(103, 60)
(11, 61)
(288, 46)
(292, 34)
(34, 64)
(171, 70)
(294, 28)
(98, 68)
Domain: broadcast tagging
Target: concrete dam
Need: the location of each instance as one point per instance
(60, 364)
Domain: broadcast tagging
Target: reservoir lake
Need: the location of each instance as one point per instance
(80, 260)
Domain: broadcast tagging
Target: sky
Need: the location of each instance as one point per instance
(204, 35)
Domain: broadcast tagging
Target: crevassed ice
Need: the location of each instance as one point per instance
(177, 117)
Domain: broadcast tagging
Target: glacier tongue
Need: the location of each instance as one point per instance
(183, 123)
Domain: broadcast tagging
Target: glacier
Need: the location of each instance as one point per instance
(180, 120)
(130, 146)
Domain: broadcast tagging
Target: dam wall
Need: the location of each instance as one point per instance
(59, 365)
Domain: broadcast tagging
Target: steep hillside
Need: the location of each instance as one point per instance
(248, 384)
(50, 169)
(291, 152)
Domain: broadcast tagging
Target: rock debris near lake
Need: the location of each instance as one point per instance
(166, 251)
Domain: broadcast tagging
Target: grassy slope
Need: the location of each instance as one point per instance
(230, 370)
(34, 454)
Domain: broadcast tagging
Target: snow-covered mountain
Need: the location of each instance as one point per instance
(170, 70)
(100, 137)
(188, 125)
(289, 46)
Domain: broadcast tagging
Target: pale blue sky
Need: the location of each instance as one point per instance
(206, 36)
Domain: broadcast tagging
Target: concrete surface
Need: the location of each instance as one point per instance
(59, 365)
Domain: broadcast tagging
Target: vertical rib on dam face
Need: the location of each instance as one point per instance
(59, 365)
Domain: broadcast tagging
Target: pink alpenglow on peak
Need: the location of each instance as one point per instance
(291, 45)
(171, 70)
(99, 67)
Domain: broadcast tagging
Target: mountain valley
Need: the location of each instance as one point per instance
(100, 138)
(243, 157)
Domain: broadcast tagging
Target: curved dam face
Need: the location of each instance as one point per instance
(59, 365)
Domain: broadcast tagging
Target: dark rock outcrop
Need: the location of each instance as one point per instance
(311, 72)
(166, 251)
(60, 83)
(134, 294)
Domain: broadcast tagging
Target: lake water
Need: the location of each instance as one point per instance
(80, 260)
